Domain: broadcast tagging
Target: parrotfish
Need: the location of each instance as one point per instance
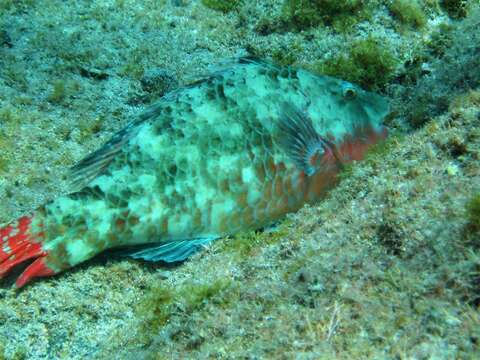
(234, 151)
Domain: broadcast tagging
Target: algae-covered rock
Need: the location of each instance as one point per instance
(303, 14)
(368, 63)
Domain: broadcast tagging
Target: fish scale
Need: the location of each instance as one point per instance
(231, 152)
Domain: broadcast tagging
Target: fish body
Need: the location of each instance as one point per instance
(234, 151)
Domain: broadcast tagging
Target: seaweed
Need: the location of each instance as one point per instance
(456, 9)
(473, 214)
(246, 244)
(17, 5)
(162, 302)
(454, 67)
(367, 63)
(341, 15)
(408, 12)
(58, 93)
(224, 6)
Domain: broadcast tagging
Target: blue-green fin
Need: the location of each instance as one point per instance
(299, 138)
(170, 251)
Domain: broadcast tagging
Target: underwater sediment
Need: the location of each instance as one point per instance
(387, 265)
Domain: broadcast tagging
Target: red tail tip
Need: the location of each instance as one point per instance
(17, 245)
(36, 269)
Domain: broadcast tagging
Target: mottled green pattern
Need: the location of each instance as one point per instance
(207, 161)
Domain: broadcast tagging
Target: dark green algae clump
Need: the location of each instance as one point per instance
(303, 14)
(473, 215)
(367, 63)
(221, 5)
(409, 12)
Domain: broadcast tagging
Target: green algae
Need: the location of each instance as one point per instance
(367, 63)
(162, 302)
(18, 5)
(4, 163)
(221, 5)
(440, 40)
(58, 92)
(473, 213)
(10, 120)
(341, 15)
(286, 56)
(409, 12)
(247, 244)
(20, 353)
(456, 9)
(454, 68)
(15, 77)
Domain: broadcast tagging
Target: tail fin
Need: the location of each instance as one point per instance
(17, 245)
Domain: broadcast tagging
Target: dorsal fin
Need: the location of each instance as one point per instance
(221, 68)
(95, 163)
(299, 139)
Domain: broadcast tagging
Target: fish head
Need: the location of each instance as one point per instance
(348, 117)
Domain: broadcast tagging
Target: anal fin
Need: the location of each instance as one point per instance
(170, 251)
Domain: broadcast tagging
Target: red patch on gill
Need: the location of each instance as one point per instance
(320, 182)
(355, 147)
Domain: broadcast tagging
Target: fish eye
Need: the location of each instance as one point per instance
(349, 92)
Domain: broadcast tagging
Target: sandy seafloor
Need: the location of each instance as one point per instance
(387, 266)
